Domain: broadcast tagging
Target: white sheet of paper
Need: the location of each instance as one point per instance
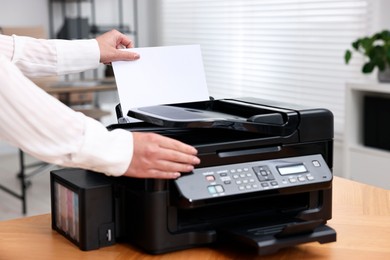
(162, 75)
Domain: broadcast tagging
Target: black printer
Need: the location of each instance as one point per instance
(264, 182)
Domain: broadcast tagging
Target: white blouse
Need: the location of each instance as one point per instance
(41, 125)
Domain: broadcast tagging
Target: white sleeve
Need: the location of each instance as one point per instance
(39, 57)
(44, 127)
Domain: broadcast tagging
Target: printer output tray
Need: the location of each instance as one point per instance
(268, 238)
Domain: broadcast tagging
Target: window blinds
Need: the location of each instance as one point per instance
(286, 50)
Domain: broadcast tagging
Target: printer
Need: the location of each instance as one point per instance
(264, 182)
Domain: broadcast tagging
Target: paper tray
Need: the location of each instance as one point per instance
(225, 113)
(270, 239)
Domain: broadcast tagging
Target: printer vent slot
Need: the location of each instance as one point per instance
(272, 149)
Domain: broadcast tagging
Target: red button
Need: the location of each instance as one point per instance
(210, 178)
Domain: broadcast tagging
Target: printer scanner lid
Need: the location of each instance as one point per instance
(234, 114)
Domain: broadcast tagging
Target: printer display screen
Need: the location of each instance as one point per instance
(292, 169)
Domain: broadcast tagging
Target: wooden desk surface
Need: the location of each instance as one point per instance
(361, 217)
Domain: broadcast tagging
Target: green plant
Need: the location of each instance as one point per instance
(376, 48)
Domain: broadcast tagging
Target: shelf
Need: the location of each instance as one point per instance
(370, 87)
(369, 168)
(370, 150)
(69, 1)
(76, 26)
(99, 29)
(364, 163)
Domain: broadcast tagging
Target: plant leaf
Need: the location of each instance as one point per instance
(388, 56)
(377, 36)
(356, 44)
(367, 43)
(376, 53)
(385, 35)
(347, 56)
(368, 67)
(381, 65)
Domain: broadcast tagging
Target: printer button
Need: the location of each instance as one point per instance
(264, 173)
(210, 178)
(269, 177)
(226, 178)
(316, 163)
(309, 177)
(262, 178)
(219, 188)
(292, 180)
(301, 178)
(212, 189)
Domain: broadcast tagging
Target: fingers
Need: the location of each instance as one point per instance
(174, 154)
(109, 45)
(118, 55)
(170, 163)
(177, 160)
(152, 174)
(124, 41)
(175, 145)
(125, 55)
(156, 156)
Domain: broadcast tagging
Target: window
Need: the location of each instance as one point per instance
(286, 50)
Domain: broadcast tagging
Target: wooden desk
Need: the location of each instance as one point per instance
(361, 217)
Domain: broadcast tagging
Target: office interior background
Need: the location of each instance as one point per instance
(290, 51)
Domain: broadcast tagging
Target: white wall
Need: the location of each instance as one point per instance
(36, 13)
(24, 13)
(381, 18)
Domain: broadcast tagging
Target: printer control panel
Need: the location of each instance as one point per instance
(233, 179)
